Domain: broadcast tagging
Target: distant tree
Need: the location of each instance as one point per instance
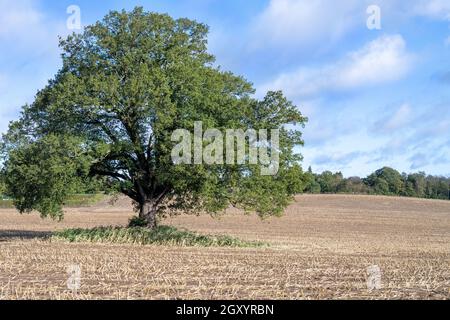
(315, 188)
(415, 185)
(381, 186)
(386, 181)
(353, 185)
(408, 188)
(126, 83)
(443, 189)
(330, 181)
(437, 187)
(310, 183)
(325, 180)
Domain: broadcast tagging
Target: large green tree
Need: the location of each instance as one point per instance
(126, 83)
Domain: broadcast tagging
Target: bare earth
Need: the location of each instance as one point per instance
(320, 249)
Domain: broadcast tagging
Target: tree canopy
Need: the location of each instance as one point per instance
(126, 83)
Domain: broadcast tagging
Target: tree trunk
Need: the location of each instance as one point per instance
(148, 212)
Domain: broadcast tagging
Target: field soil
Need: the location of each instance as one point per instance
(320, 249)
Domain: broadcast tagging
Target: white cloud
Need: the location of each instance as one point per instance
(18, 18)
(3, 81)
(447, 42)
(24, 26)
(434, 9)
(321, 23)
(399, 119)
(382, 60)
(419, 160)
(30, 53)
(304, 22)
(438, 9)
(338, 158)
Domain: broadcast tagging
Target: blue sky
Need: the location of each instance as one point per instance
(374, 97)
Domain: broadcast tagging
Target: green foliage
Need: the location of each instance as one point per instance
(40, 175)
(137, 222)
(2, 184)
(72, 201)
(329, 182)
(162, 235)
(353, 185)
(126, 84)
(437, 188)
(310, 183)
(385, 181)
(83, 200)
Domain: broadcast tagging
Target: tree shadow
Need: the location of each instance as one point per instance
(7, 235)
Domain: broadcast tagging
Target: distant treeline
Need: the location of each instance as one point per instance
(385, 181)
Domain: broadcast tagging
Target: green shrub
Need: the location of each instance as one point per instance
(163, 235)
(137, 222)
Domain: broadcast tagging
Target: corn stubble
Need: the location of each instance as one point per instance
(320, 249)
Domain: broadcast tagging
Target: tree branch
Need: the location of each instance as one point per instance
(106, 173)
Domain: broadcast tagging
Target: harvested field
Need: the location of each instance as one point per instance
(320, 249)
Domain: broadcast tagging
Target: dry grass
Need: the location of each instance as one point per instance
(319, 250)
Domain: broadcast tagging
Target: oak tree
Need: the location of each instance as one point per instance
(126, 83)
